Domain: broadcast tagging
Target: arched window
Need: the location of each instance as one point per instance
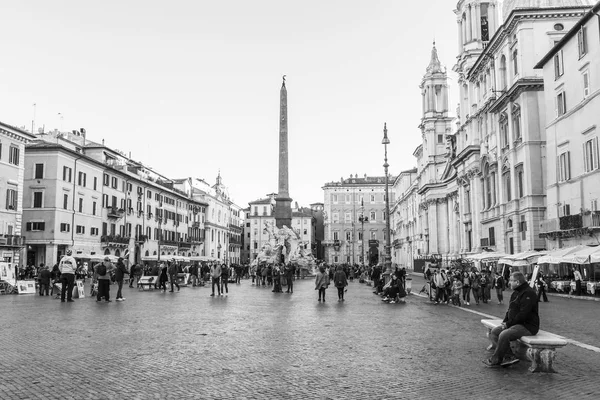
(509, 224)
(117, 253)
(106, 252)
(154, 253)
(503, 81)
(147, 253)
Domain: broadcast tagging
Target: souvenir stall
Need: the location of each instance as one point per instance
(553, 267)
(8, 278)
(486, 260)
(586, 260)
(524, 261)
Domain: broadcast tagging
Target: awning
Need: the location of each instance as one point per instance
(486, 256)
(582, 256)
(555, 256)
(203, 258)
(521, 259)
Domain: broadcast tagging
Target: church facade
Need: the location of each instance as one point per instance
(479, 181)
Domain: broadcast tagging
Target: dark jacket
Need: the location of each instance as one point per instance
(523, 309)
(44, 276)
(120, 271)
(339, 279)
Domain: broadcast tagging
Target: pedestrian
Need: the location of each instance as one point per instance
(215, 274)
(290, 270)
(321, 282)
(541, 285)
(456, 290)
(173, 272)
(120, 272)
(484, 283)
(577, 276)
(224, 279)
(194, 274)
(163, 278)
(521, 319)
(102, 273)
(155, 271)
(132, 275)
(475, 286)
(277, 279)
(498, 284)
(253, 273)
(44, 279)
(340, 281)
(466, 281)
(67, 267)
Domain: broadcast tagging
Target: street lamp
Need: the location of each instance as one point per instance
(362, 220)
(388, 256)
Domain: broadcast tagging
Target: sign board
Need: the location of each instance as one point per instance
(78, 291)
(7, 273)
(373, 242)
(26, 287)
(534, 276)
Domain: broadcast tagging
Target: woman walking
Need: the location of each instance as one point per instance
(340, 282)
(321, 282)
(163, 279)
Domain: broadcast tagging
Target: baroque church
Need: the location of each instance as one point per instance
(479, 181)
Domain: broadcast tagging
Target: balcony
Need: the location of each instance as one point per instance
(591, 219)
(195, 224)
(184, 245)
(114, 212)
(141, 238)
(12, 241)
(571, 222)
(115, 240)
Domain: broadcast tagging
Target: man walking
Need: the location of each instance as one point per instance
(215, 274)
(173, 271)
(290, 269)
(67, 267)
(522, 319)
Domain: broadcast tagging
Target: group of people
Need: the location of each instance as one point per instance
(393, 289)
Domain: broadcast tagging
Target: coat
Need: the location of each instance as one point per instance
(339, 279)
(321, 281)
(523, 309)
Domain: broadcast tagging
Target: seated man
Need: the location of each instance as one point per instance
(521, 319)
(395, 291)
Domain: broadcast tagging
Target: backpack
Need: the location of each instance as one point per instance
(101, 269)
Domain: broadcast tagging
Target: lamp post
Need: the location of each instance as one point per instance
(388, 256)
(362, 220)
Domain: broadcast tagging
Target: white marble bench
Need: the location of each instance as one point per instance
(540, 349)
(148, 281)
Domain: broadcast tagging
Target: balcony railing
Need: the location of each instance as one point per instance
(571, 222)
(592, 219)
(12, 240)
(115, 239)
(141, 238)
(114, 212)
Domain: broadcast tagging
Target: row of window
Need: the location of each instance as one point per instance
(347, 198)
(590, 160)
(372, 217)
(348, 235)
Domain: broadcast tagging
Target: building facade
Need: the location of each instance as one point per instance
(354, 220)
(571, 71)
(482, 187)
(12, 175)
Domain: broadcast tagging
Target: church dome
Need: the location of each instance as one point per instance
(510, 5)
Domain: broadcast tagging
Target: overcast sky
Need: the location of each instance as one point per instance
(192, 87)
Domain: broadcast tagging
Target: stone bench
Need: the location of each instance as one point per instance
(540, 349)
(149, 281)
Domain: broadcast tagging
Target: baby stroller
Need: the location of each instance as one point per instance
(56, 290)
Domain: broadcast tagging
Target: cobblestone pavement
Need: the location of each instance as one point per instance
(255, 344)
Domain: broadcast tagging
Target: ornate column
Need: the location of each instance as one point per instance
(460, 36)
(476, 207)
(478, 21)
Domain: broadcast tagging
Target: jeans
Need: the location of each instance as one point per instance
(501, 339)
(103, 289)
(340, 293)
(224, 288)
(67, 281)
(44, 287)
(120, 287)
(215, 281)
(290, 284)
(542, 292)
(500, 295)
(466, 294)
(174, 282)
(476, 294)
(322, 293)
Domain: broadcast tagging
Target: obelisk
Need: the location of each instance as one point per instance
(283, 202)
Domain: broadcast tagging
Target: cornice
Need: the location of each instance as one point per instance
(520, 86)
